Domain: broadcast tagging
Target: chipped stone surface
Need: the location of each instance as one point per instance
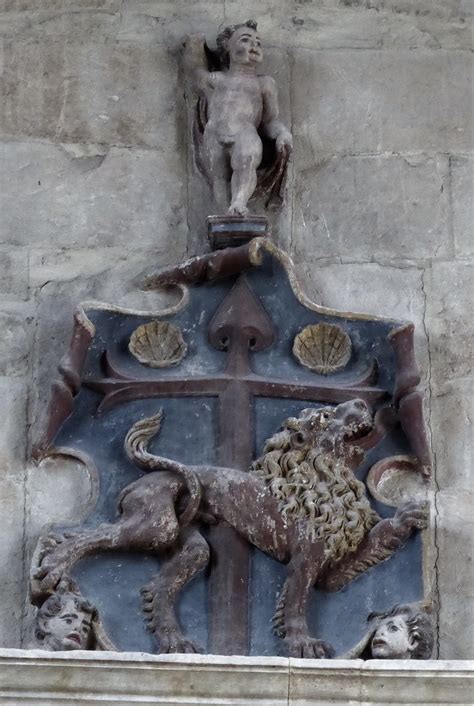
(54, 196)
(370, 207)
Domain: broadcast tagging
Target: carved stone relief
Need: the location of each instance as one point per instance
(297, 515)
(233, 515)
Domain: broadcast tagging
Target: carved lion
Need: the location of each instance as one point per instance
(300, 503)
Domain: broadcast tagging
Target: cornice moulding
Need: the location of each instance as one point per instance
(34, 678)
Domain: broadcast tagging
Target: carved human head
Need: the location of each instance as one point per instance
(64, 622)
(403, 632)
(240, 44)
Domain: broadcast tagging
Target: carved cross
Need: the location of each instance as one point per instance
(240, 325)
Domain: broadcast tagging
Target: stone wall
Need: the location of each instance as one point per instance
(95, 188)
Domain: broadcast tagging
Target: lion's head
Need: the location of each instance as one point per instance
(304, 466)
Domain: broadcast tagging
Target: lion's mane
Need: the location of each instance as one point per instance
(318, 488)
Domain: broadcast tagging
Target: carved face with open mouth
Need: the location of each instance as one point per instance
(392, 639)
(65, 623)
(347, 423)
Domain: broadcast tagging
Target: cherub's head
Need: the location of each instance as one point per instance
(403, 632)
(64, 622)
(240, 44)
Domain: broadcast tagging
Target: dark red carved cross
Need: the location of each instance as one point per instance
(240, 325)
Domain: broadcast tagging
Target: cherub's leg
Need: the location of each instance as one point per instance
(290, 621)
(246, 155)
(188, 559)
(137, 529)
(218, 167)
(382, 541)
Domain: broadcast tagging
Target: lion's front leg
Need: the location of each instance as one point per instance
(382, 541)
(290, 621)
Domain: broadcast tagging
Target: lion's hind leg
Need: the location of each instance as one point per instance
(147, 524)
(189, 557)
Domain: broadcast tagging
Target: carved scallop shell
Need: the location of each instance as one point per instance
(158, 344)
(324, 348)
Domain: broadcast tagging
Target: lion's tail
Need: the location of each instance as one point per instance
(135, 445)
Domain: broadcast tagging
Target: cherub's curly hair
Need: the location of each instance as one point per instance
(419, 625)
(224, 36)
(53, 606)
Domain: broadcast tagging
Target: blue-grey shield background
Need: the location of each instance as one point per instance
(113, 580)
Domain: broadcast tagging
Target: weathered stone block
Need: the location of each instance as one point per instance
(450, 293)
(390, 101)
(13, 274)
(115, 282)
(462, 185)
(455, 541)
(86, 197)
(351, 287)
(359, 23)
(103, 92)
(52, 18)
(169, 21)
(13, 430)
(15, 341)
(370, 207)
(12, 506)
(452, 412)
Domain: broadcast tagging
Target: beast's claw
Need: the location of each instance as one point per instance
(173, 642)
(309, 648)
(411, 515)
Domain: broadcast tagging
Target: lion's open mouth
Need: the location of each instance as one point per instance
(356, 430)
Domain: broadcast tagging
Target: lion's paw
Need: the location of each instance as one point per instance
(174, 642)
(411, 515)
(309, 648)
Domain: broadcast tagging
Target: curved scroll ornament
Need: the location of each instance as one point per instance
(158, 344)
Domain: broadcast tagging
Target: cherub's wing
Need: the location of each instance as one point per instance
(200, 118)
(272, 174)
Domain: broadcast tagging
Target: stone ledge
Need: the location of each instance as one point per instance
(36, 678)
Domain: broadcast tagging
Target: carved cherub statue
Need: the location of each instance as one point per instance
(237, 110)
(65, 622)
(403, 632)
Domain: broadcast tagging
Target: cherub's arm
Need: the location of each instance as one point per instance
(271, 124)
(195, 62)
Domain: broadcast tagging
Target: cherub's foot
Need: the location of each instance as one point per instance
(309, 648)
(173, 641)
(237, 209)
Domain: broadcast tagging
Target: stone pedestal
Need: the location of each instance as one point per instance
(231, 231)
(33, 678)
